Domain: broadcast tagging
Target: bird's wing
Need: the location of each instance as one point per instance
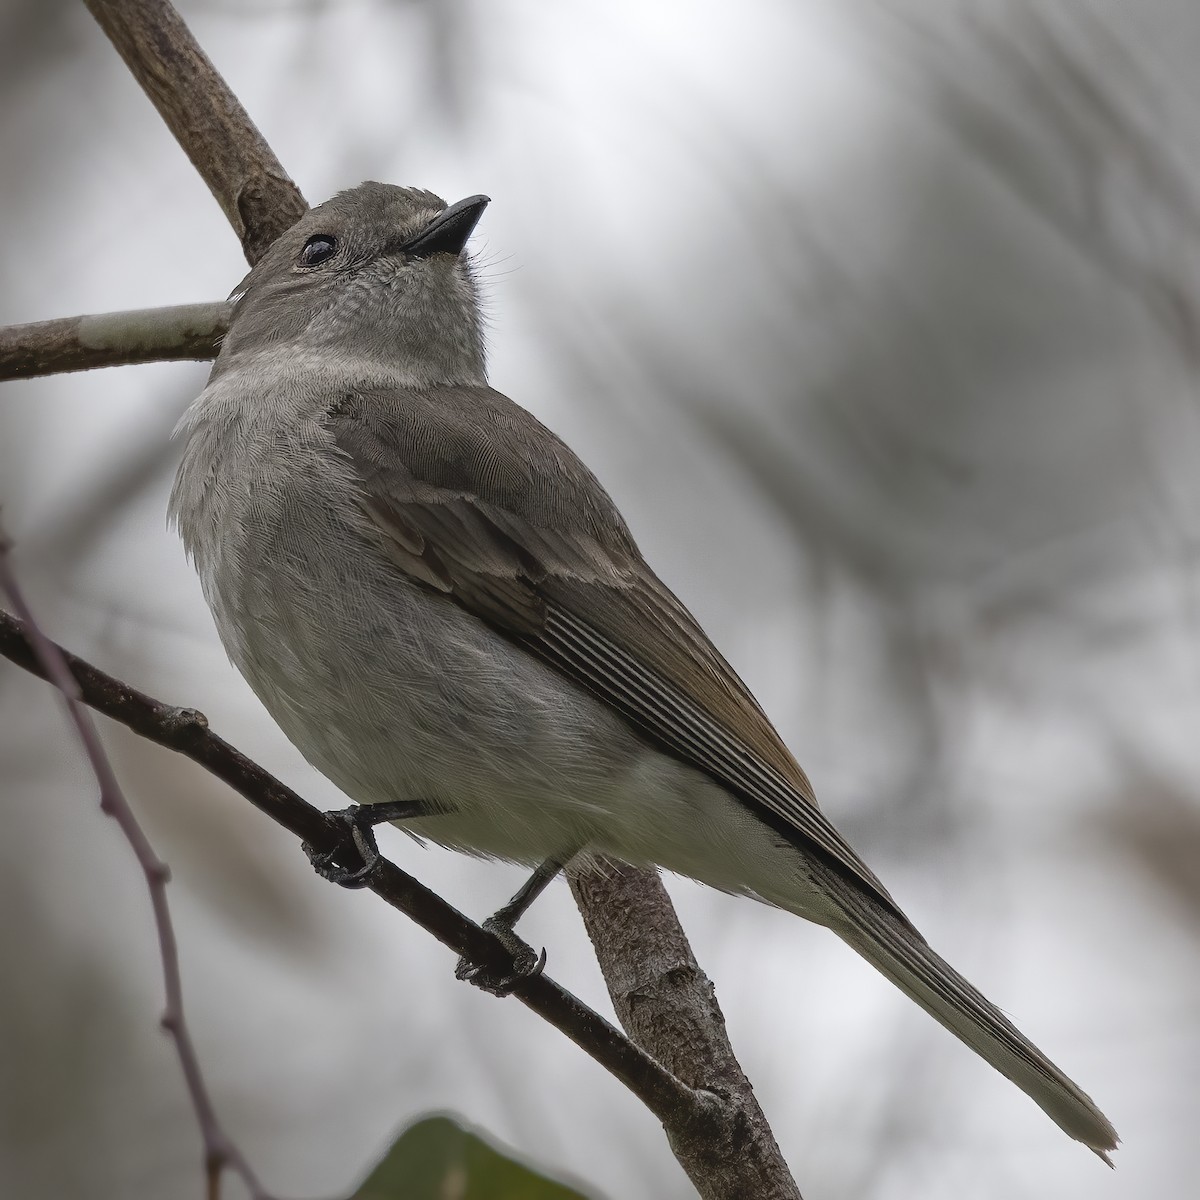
(477, 500)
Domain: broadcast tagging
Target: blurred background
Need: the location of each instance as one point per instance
(881, 322)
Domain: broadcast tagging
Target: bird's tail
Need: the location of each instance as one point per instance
(894, 947)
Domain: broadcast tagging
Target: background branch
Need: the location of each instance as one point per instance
(220, 1151)
(186, 331)
(207, 119)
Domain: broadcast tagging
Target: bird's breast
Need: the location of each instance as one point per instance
(388, 688)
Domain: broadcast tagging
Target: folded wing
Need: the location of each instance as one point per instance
(476, 499)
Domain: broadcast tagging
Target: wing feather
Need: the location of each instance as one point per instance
(474, 498)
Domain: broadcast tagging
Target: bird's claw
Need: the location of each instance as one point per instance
(526, 963)
(357, 841)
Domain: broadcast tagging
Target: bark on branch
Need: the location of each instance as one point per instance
(665, 1001)
(207, 119)
(187, 331)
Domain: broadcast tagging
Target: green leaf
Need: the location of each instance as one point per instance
(439, 1159)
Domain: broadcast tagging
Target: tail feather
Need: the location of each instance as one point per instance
(891, 945)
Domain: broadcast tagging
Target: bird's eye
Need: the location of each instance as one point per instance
(318, 249)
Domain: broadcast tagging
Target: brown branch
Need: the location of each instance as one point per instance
(668, 1006)
(220, 1152)
(187, 331)
(207, 119)
(685, 1110)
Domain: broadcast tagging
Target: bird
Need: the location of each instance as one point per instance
(444, 610)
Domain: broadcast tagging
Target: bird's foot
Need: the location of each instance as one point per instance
(356, 844)
(526, 962)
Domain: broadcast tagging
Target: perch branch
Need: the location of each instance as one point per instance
(186, 731)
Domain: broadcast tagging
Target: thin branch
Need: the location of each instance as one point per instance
(669, 1007)
(220, 1152)
(680, 1108)
(186, 331)
(207, 119)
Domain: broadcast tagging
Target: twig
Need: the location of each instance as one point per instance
(207, 119)
(186, 731)
(220, 1152)
(669, 1007)
(187, 331)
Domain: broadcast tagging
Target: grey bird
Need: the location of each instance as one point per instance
(445, 612)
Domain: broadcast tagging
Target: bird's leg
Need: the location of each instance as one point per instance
(358, 839)
(501, 924)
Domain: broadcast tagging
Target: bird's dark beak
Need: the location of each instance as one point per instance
(448, 232)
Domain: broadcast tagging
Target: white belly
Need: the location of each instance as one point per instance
(525, 765)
